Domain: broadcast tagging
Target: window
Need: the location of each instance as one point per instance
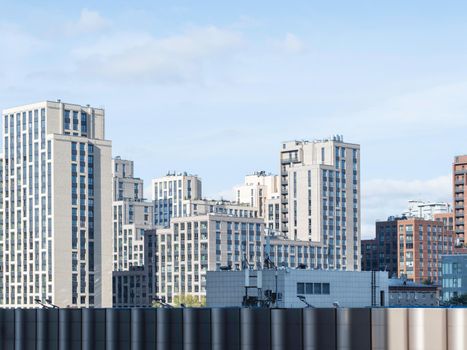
(300, 288)
(66, 119)
(316, 288)
(75, 120)
(84, 124)
(326, 288)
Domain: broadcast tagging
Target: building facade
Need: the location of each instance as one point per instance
(193, 245)
(170, 192)
(213, 206)
(454, 283)
(459, 174)
(404, 293)
(132, 215)
(426, 210)
(380, 253)
(421, 243)
(317, 288)
(57, 195)
(136, 286)
(320, 198)
(261, 190)
(196, 244)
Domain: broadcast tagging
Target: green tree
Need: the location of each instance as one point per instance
(428, 281)
(188, 300)
(458, 300)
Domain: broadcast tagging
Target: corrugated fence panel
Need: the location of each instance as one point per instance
(143, 329)
(225, 329)
(319, 329)
(196, 329)
(25, 329)
(7, 329)
(47, 329)
(286, 329)
(389, 329)
(118, 330)
(427, 329)
(353, 329)
(234, 329)
(457, 329)
(93, 329)
(169, 328)
(255, 331)
(69, 329)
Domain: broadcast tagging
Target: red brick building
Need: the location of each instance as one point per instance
(459, 174)
(420, 245)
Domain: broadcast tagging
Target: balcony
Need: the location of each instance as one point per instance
(290, 160)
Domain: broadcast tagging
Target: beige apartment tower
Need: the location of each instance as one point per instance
(172, 194)
(320, 198)
(131, 216)
(261, 190)
(56, 206)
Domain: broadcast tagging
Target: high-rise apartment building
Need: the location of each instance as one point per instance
(257, 190)
(57, 206)
(320, 198)
(170, 192)
(459, 174)
(125, 185)
(421, 243)
(261, 190)
(380, 253)
(132, 215)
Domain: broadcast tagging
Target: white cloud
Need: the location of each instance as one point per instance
(18, 47)
(429, 109)
(385, 197)
(140, 57)
(291, 44)
(16, 42)
(89, 22)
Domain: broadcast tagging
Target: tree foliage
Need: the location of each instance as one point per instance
(458, 300)
(188, 300)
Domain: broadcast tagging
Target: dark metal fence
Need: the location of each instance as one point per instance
(233, 329)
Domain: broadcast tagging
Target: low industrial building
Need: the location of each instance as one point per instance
(403, 293)
(296, 288)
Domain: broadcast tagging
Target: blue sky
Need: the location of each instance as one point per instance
(213, 87)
